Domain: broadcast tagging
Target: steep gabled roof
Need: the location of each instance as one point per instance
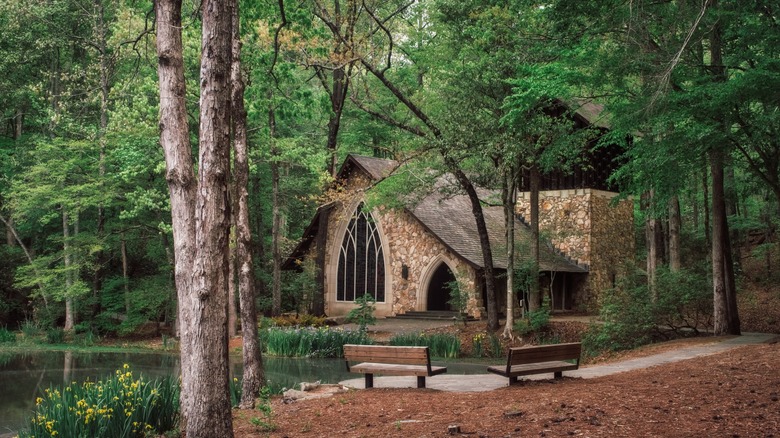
(446, 214)
(449, 218)
(375, 168)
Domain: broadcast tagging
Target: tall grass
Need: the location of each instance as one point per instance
(439, 344)
(310, 341)
(120, 406)
(7, 336)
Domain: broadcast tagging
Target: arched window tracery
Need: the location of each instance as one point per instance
(361, 268)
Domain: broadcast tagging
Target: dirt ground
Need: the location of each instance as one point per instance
(736, 394)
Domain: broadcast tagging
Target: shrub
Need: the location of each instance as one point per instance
(363, 314)
(120, 406)
(632, 317)
(30, 328)
(303, 320)
(7, 336)
(310, 342)
(439, 345)
(55, 335)
(535, 320)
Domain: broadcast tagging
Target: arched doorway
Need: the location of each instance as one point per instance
(438, 292)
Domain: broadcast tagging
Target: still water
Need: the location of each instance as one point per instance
(25, 376)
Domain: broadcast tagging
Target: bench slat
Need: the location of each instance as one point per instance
(395, 369)
(534, 368)
(384, 354)
(543, 353)
(540, 359)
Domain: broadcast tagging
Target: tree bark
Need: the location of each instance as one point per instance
(726, 318)
(210, 411)
(276, 255)
(535, 299)
(100, 30)
(174, 139)
(69, 314)
(253, 377)
(484, 242)
(509, 195)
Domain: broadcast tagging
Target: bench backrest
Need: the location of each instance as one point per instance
(544, 353)
(387, 354)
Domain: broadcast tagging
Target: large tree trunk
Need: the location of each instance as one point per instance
(253, 377)
(726, 320)
(210, 412)
(535, 299)
(484, 242)
(174, 139)
(675, 224)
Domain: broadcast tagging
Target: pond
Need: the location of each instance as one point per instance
(24, 376)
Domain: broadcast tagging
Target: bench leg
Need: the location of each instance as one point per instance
(512, 380)
(421, 381)
(369, 380)
(558, 374)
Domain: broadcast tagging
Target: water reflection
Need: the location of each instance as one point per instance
(25, 376)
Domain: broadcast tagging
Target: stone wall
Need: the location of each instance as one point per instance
(406, 243)
(585, 226)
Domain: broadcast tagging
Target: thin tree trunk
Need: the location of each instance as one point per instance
(253, 377)
(675, 224)
(535, 299)
(69, 317)
(100, 29)
(174, 139)
(231, 277)
(10, 228)
(125, 281)
(210, 412)
(484, 242)
(318, 307)
(276, 305)
(10, 239)
(705, 186)
(509, 198)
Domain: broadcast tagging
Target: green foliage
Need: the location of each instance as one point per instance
(535, 320)
(119, 406)
(55, 335)
(459, 299)
(264, 423)
(495, 345)
(363, 314)
(7, 336)
(439, 344)
(476, 344)
(310, 342)
(630, 317)
(302, 320)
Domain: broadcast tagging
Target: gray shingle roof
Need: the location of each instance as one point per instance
(447, 214)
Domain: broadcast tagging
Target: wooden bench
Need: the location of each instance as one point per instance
(541, 359)
(391, 361)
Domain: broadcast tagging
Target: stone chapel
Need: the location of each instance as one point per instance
(405, 258)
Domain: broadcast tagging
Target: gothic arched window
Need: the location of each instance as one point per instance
(361, 260)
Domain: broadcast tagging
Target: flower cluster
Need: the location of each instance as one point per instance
(120, 406)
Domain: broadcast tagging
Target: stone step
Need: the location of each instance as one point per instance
(438, 315)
